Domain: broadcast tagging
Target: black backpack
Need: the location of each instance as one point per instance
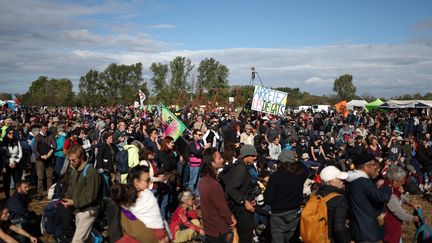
(122, 160)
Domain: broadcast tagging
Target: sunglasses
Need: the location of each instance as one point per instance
(200, 134)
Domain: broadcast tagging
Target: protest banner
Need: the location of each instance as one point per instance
(173, 126)
(341, 107)
(269, 101)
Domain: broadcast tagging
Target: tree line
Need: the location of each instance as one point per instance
(171, 83)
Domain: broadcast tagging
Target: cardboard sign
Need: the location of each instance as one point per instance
(269, 101)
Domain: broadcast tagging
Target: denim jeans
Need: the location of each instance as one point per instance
(193, 179)
(59, 161)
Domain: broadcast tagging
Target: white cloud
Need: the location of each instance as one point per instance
(57, 40)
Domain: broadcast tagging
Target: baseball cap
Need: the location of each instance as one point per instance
(331, 172)
(305, 156)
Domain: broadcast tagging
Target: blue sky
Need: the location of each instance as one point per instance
(386, 45)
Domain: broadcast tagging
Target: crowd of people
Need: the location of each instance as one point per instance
(250, 177)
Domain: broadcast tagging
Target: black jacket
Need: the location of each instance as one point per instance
(285, 191)
(18, 206)
(337, 211)
(238, 184)
(366, 203)
(167, 162)
(105, 157)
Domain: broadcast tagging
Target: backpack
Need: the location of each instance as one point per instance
(48, 224)
(122, 160)
(423, 233)
(314, 219)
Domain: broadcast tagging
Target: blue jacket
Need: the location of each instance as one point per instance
(60, 143)
(366, 202)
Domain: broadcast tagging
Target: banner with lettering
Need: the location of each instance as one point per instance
(269, 101)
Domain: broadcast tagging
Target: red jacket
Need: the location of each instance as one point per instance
(182, 217)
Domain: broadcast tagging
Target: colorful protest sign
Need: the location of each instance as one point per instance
(269, 101)
(173, 126)
(341, 107)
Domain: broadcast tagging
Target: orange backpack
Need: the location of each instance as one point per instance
(314, 219)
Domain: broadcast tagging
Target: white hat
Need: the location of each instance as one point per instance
(399, 138)
(305, 156)
(331, 172)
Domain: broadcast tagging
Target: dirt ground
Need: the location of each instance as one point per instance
(409, 228)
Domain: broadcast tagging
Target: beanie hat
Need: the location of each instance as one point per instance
(287, 156)
(247, 150)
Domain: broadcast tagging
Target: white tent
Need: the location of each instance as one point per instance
(356, 103)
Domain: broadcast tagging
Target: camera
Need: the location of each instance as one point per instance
(257, 195)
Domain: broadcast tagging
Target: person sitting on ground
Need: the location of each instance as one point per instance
(146, 207)
(185, 224)
(19, 211)
(11, 233)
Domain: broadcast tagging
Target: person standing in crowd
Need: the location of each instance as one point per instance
(131, 133)
(395, 214)
(8, 122)
(195, 150)
(247, 137)
(366, 201)
(168, 164)
(212, 135)
(12, 167)
(133, 150)
(59, 154)
(105, 161)
(199, 124)
(284, 194)
(152, 141)
(238, 189)
(273, 131)
(83, 193)
(119, 136)
(217, 217)
(275, 148)
(337, 207)
(44, 147)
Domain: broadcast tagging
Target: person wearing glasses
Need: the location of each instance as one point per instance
(366, 201)
(195, 150)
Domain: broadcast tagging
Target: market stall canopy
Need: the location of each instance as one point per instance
(400, 104)
(373, 105)
(356, 103)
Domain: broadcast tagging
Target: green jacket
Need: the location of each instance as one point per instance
(84, 191)
(133, 160)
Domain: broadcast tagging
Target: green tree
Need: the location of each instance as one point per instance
(180, 69)
(344, 87)
(117, 84)
(160, 73)
(212, 75)
(90, 89)
(49, 92)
